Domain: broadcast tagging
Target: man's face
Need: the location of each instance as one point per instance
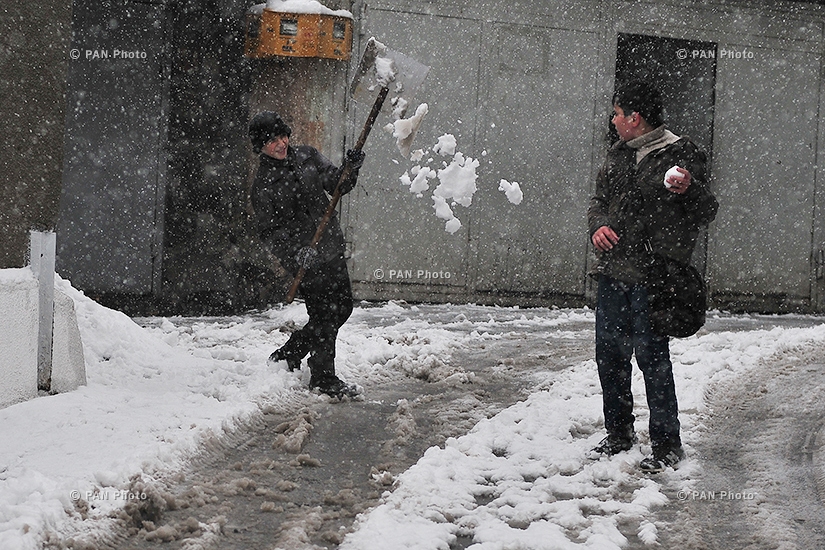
(276, 147)
(625, 125)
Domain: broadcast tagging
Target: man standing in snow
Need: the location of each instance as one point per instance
(289, 196)
(634, 203)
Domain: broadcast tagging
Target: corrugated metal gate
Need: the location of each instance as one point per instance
(521, 100)
(528, 84)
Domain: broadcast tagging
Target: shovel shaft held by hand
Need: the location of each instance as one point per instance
(336, 195)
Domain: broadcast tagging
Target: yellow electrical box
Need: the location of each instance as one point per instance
(274, 33)
(336, 37)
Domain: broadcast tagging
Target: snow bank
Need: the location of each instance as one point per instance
(145, 407)
(18, 335)
(155, 395)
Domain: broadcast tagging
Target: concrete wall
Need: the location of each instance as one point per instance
(18, 339)
(109, 235)
(158, 161)
(34, 53)
(529, 84)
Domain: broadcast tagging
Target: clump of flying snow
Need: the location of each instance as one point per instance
(385, 70)
(458, 184)
(444, 212)
(386, 74)
(418, 183)
(511, 190)
(404, 129)
(457, 180)
(445, 145)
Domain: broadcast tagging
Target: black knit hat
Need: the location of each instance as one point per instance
(266, 126)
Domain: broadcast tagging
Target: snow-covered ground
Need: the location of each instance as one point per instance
(156, 395)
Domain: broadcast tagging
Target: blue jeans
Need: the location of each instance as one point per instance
(622, 329)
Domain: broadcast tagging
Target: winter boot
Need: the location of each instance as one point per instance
(662, 459)
(334, 387)
(612, 445)
(293, 362)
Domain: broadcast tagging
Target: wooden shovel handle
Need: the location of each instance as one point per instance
(336, 195)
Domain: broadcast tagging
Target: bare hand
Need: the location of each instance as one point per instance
(604, 238)
(679, 184)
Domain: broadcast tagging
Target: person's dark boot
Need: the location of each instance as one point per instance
(293, 362)
(663, 458)
(612, 445)
(334, 387)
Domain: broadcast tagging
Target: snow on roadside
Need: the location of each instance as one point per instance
(154, 396)
(146, 407)
(520, 479)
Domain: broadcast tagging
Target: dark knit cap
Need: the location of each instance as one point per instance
(265, 126)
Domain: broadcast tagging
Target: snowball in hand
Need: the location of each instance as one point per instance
(672, 172)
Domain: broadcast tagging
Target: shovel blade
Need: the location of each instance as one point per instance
(380, 67)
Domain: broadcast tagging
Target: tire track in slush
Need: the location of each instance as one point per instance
(763, 439)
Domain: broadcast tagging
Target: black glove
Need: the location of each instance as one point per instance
(355, 159)
(307, 257)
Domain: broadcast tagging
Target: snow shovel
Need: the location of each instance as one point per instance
(389, 71)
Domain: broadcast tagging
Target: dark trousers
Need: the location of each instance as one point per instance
(622, 329)
(327, 292)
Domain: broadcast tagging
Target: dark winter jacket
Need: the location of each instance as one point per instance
(630, 196)
(290, 198)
